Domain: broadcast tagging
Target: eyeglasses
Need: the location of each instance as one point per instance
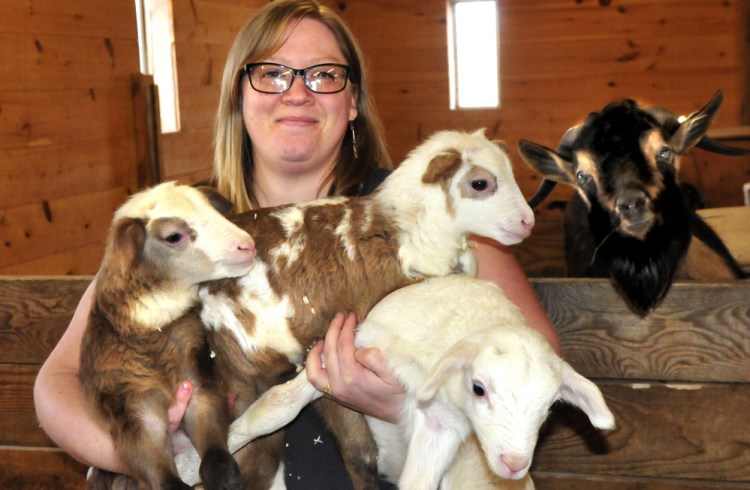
(273, 78)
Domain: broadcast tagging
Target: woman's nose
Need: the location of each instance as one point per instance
(298, 89)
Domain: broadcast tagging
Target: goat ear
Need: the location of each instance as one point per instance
(217, 200)
(584, 394)
(127, 243)
(442, 167)
(458, 357)
(545, 161)
(694, 128)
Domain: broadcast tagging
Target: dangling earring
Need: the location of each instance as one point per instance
(354, 139)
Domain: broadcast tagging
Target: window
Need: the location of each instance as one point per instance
(156, 44)
(473, 54)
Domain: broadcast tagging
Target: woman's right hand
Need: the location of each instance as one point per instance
(359, 378)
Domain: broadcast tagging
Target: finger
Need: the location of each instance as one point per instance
(179, 405)
(374, 360)
(316, 372)
(331, 346)
(346, 347)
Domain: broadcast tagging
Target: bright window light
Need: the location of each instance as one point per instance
(473, 54)
(156, 44)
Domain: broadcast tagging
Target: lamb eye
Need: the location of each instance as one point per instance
(582, 177)
(173, 238)
(665, 154)
(478, 390)
(479, 185)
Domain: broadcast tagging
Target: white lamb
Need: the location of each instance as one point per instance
(469, 365)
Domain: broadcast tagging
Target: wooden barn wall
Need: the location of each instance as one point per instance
(67, 155)
(67, 146)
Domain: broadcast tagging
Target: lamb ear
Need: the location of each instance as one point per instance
(458, 357)
(579, 391)
(217, 200)
(127, 243)
(442, 167)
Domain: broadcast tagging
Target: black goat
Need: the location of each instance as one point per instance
(629, 219)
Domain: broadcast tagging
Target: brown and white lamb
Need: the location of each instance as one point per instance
(144, 333)
(345, 254)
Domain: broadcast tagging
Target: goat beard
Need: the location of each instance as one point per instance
(645, 276)
(643, 270)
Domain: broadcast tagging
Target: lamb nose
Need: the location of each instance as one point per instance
(246, 245)
(515, 463)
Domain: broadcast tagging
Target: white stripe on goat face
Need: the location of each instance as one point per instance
(487, 199)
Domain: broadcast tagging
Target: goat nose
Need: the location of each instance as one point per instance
(514, 462)
(631, 203)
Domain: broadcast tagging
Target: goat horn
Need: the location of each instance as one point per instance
(569, 137)
(662, 116)
(715, 146)
(545, 187)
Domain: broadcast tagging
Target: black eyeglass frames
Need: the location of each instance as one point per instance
(274, 78)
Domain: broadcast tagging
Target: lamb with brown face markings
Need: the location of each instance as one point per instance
(144, 335)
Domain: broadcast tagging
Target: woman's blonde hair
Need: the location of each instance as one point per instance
(259, 37)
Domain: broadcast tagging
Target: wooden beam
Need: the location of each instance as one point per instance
(691, 431)
(701, 332)
(21, 469)
(34, 313)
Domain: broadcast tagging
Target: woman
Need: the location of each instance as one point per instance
(295, 122)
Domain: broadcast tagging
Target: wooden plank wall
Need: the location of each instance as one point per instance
(34, 313)
(678, 382)
(67, 144)
(67, 155)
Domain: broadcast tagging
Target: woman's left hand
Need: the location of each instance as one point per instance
(356, 377)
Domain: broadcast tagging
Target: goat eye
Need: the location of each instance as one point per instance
(582, 177)
(173, 238)
(479, 185)
(665, 154)
(478, 390)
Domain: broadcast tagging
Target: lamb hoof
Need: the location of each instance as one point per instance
(219, 471)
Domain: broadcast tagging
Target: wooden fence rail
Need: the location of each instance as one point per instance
(677, 380)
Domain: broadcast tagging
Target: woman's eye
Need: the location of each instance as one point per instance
(479, 185)
(322, 75)
(582, 177)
